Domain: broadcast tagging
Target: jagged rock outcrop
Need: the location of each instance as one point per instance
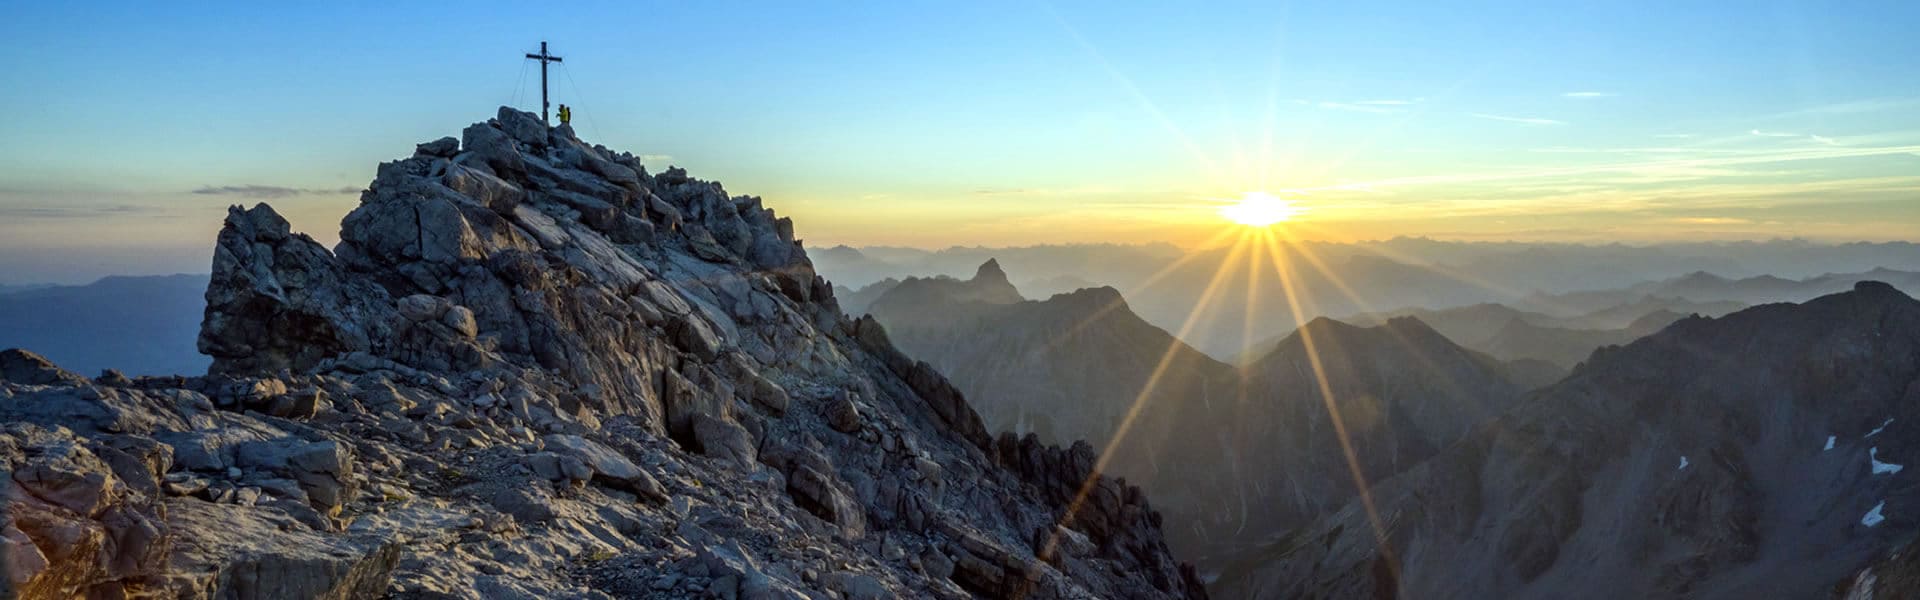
(532, 369)
(1760, 454)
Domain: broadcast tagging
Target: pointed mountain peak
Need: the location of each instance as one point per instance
(990, 272)
(1701, 277)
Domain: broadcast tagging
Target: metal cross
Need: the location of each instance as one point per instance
(544, 58)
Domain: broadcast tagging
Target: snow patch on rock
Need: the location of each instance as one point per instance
(1874, 517)
(1882, 468)
(1882, 427)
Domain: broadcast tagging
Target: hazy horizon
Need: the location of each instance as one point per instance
(67, 268)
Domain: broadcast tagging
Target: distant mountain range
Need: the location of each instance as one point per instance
(1256, 466)
(1082, 365)
(855, 302)
(1563, 329)
(140, 325)
(1761, 454)
(1165, 285)
(6, 288)
(1704, 287)
(1103, 263)
(1512, 334)
(1067, 368)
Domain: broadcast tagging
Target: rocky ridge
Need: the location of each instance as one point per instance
(1760, 454)
(1396, 394)
(1233, 457)
(988, 287)
(532, 369)
(1065, 368)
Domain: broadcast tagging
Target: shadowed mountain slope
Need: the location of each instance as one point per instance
(1232, 455)
(1761, 454)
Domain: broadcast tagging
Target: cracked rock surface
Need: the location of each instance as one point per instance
(531, 369)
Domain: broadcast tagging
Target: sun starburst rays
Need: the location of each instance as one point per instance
(1365, 492)
(1261, 218)
(1254, 246)
(1153, 381)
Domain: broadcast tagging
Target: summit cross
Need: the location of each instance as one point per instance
(544, 58)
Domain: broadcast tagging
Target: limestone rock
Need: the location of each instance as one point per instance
(530, 369)
(490, 146)
(523, 126)
(842, 414)
(724, 440)
(444, 147)
(484, 188)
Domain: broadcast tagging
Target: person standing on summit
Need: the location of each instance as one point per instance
(566, 115)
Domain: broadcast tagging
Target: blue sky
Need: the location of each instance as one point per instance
(931, 124)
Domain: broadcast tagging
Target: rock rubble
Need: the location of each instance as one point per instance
(532, 369)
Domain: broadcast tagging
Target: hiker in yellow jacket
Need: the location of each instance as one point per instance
(566, 115)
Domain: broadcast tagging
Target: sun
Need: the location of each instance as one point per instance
(1260, 209)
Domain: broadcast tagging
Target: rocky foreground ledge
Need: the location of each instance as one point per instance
(531, 369)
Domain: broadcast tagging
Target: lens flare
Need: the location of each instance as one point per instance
(1260, 209)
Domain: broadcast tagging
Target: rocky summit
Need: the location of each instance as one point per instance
(532, 369)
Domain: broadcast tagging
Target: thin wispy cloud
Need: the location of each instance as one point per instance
(1521, 120)
(269, 192)
(1076, 191)
(1360, 107)
(1717, 197)
(1712, 220)
(1585, 95)
(1377, 106)
(1815, 138)
(1773, 156)
(73, 212)
(1849, 107)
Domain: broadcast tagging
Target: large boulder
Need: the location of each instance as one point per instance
(278, 300)
(523, 127)
(607, 465)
